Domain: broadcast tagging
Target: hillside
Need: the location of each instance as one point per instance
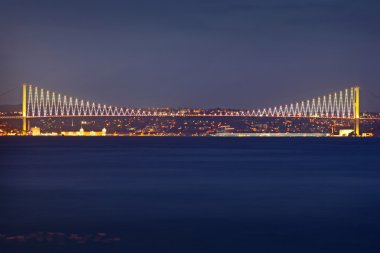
(10, 108)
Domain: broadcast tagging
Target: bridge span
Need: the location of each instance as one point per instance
(40, 103)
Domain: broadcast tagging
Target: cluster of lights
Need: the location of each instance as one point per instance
(46, 104)
(337, 105)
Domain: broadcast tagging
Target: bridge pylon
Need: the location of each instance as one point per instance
(24, 112)
(357, 110)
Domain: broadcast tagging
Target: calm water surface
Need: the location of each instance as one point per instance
(191, 194)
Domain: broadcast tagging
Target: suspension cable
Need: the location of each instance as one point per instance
(9, 91)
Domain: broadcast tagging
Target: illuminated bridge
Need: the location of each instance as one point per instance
(40, 103)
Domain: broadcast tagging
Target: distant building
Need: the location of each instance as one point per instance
(346, 132)
(36, 131)
(225, 129)
(81, 132)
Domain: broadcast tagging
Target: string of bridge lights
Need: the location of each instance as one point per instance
(43, 103)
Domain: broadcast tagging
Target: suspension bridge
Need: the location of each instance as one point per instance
(40, 103)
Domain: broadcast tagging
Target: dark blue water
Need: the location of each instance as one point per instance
(190, 194)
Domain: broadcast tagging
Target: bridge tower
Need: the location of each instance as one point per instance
(24, 116)
(357, 110)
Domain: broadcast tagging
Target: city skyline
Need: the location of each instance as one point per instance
(44, 105)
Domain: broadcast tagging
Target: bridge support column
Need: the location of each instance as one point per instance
(24, 116)
(357, 110)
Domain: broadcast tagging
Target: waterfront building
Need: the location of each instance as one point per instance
(81, 132)
(36, 131)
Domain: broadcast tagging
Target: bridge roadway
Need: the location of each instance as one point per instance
(183, 116)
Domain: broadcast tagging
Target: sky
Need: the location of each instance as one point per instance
(192, 53)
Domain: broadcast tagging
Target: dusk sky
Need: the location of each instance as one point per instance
(227, 53)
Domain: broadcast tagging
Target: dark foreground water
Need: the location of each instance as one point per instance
(189, 195)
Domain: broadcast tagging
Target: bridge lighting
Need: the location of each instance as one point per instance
(38, 103)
